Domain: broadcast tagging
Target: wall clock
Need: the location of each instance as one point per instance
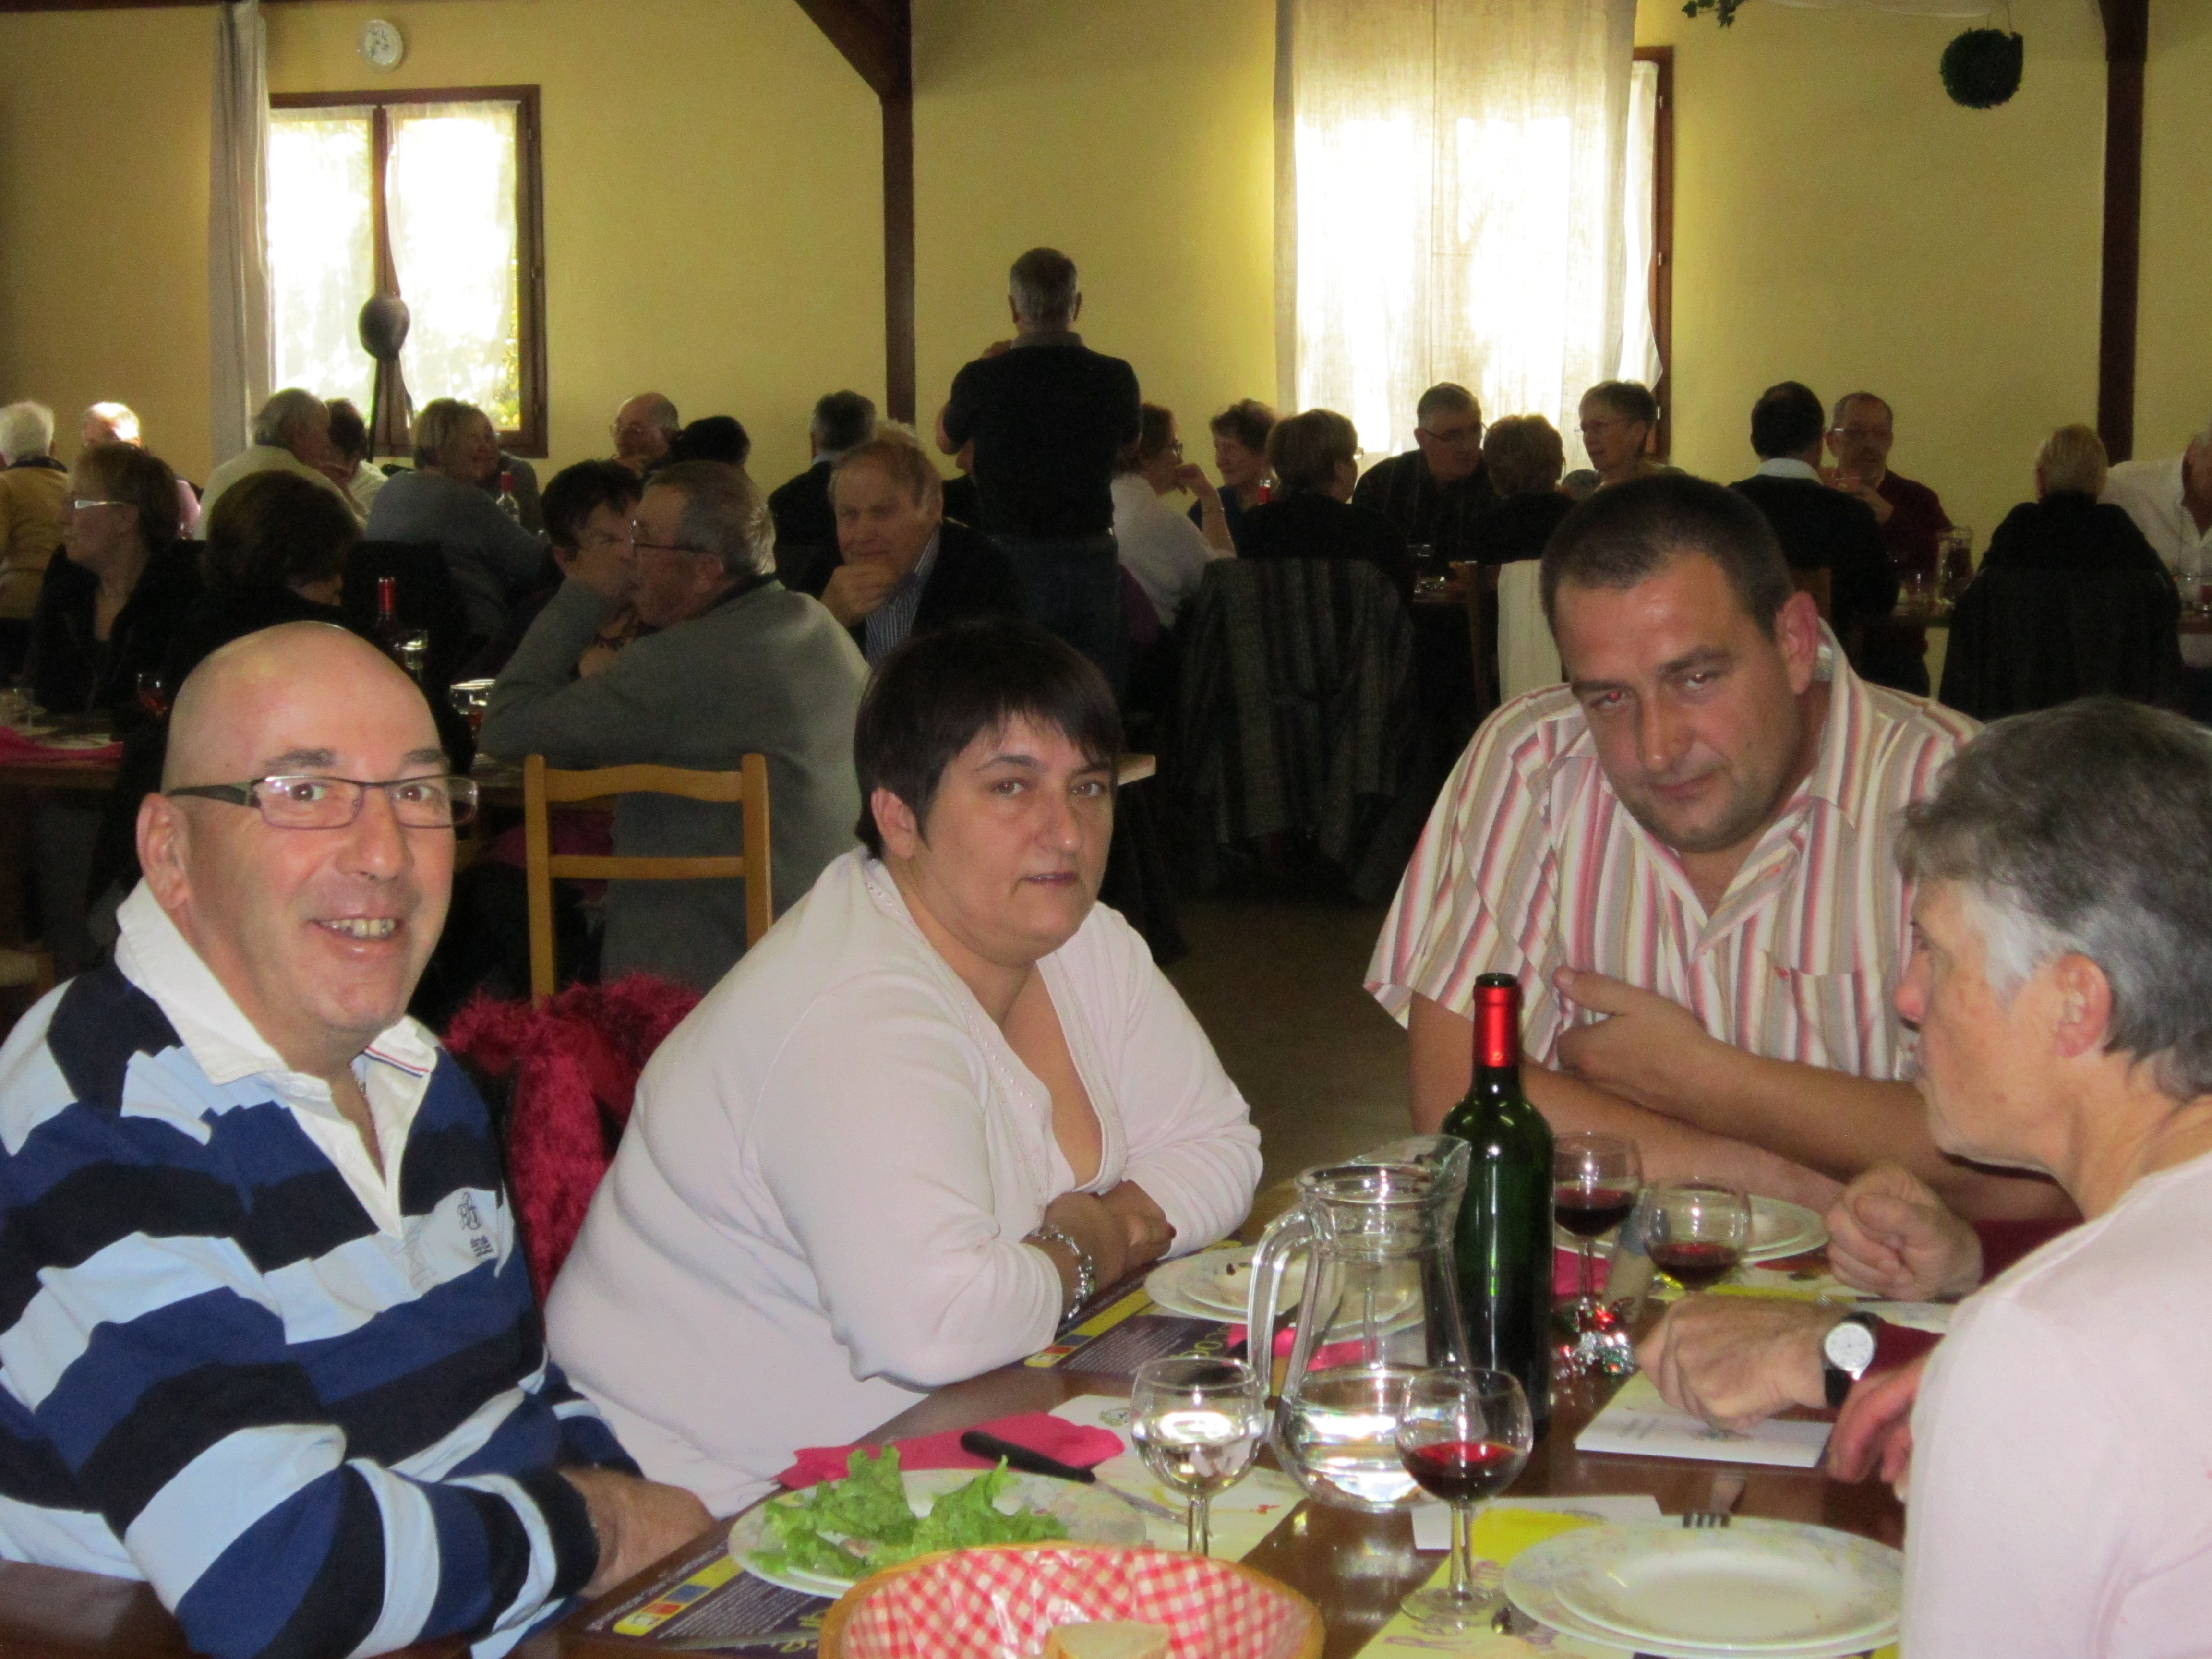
(382, 45)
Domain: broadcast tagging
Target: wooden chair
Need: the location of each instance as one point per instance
(543, 787)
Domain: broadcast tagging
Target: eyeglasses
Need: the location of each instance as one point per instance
(302, 801)
(637, 539)
(1465, 434)
(85, 504)
(1589, 427)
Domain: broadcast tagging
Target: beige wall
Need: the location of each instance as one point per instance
(1135, 134)
(713, 203)
(2173, 387)
(1840, 222)
(713, 214)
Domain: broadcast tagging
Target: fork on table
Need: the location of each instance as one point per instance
(1728, 1487)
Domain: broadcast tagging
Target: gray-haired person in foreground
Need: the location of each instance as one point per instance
(738, 665)
(2062, 985)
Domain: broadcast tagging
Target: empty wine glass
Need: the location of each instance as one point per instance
(1699, 1232)
(1199, 1423)
(1595, 1181)
(1463, 1434)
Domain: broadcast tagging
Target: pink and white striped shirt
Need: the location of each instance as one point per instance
(1530, 863)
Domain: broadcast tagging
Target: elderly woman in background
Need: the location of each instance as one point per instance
(1158, 546)
(117, 424)
(106, 612)
(493, 559)
(2066, 527)
(1617, 419)
(1240, 455)
(1316, 460)
(946, 1098)
(1524, 457)
(31, 486)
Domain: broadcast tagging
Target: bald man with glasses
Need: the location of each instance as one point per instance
(269, 1343)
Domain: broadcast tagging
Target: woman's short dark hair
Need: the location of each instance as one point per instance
(578, 491)
(1625, 534)
(1304, 451)
(136, 477)
(712, 438)
(1155, 431)
(940, 691)
(1249, 420)
(348, 432)
(277, 530)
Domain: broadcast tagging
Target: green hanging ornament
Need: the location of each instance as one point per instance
(1723, 10)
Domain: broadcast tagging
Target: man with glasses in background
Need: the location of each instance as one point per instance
(643, 429)
(1433, 492)
(269, 1343)
(737, 666)
(1913, 522)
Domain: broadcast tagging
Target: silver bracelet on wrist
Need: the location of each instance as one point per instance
(1086, 1271)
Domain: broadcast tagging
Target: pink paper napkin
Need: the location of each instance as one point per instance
(1329, 1353)
(1040, 1431)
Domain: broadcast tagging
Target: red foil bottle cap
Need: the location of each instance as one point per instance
(1497, 1021)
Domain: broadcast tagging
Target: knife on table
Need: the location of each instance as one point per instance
(981, 1443)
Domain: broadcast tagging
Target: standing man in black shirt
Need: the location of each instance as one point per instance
(1434, 492)
(1048, 417)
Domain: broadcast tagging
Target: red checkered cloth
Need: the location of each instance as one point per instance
(1001, 1603)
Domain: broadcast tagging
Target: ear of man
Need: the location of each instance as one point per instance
(163, 845)
(2084, 1010)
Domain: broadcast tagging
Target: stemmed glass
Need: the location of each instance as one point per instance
(1463, 1434)
(153, 691)
(1699, 1231)
(1595, 1180)
(1199, 1423)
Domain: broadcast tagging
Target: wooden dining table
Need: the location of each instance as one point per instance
(1355, 1567)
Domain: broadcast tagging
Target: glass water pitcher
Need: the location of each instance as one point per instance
(1377, 1301)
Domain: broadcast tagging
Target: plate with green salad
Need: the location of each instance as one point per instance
(826, 1538)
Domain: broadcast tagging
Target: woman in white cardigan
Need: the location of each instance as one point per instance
(944, 1098)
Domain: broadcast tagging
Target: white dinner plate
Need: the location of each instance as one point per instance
(1091, 1515)
(1779, 1228)
(1758, 1589)
(1217, 1284)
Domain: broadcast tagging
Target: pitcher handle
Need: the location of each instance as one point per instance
(1287, 1234)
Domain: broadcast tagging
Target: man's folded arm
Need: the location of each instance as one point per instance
(1444, 1064)
(207, 1451)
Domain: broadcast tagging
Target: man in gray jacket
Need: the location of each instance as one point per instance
(738, 665)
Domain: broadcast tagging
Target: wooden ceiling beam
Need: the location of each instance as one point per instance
(2127, 43)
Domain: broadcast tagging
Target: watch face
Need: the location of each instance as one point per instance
(382, 45)
(1850, 1347)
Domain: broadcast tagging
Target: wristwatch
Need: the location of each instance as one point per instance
(1845, 1352)
(1086, 1271)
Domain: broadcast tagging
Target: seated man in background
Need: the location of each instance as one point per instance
(947, 1098)
(1912, 523)
(737, 666)
(2170, 502)
(805, 523)
(33, 485)
(492, 559)
(1435, 492)
(352, 467)
(291, 433)
(272, 1347)
(643, 429)
(1684, 854)
(1830, 541)
(2060, 1439)
(899, 569)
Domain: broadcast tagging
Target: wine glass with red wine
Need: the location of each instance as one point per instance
(153, 692)
(1463, 1434)
(1595, 1181)
(1699, 1231)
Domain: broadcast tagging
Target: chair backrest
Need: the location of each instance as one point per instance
(2023, 639)
(1527, 657)
(544, 787)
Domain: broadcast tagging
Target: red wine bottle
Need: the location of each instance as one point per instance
(387, 612)
(1504, 1238)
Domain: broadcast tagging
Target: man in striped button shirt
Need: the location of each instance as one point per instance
(266, 1341)
(1684, 854)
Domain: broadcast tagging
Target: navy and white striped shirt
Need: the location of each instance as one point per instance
(306, 1399)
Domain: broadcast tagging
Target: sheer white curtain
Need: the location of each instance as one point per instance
(1452, 177)
(238, 328)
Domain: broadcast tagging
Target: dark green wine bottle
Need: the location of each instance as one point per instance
(1503, 1243)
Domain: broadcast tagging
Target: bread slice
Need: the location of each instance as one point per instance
(1123, 1640)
